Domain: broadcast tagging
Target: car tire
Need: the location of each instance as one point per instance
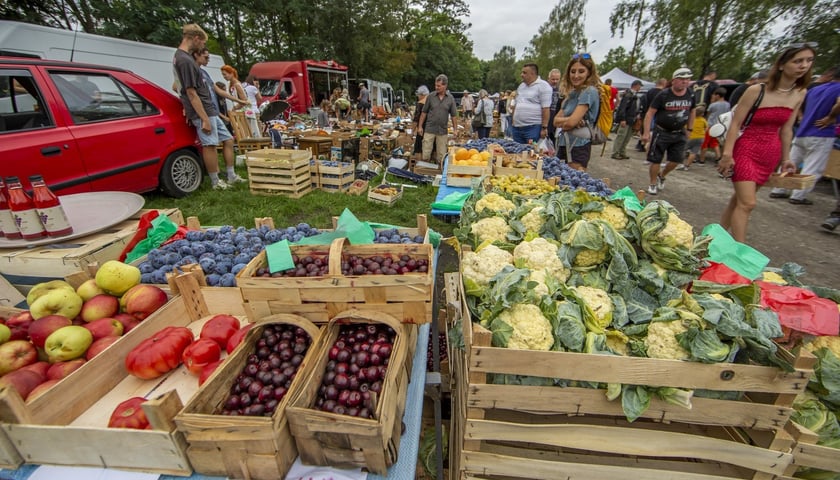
(182, 174)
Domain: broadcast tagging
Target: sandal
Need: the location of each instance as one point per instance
(800, 201)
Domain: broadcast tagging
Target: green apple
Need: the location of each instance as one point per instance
(68, 343)
(45, 287)
(116, 277)
(5, 333)
(89, 289)
(58, 301)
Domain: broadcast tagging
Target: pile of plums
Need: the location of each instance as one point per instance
(266, 377)
(305, 266)
(383, 265)
(358, 361)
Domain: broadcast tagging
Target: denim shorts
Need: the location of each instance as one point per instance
(218, 132)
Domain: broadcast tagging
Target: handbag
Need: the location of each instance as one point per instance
(594, 135)
(477, 121)
(725, 119)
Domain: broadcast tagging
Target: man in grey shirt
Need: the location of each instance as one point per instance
(434, 120)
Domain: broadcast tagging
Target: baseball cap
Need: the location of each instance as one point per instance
(361, 84)
(422, 90)
(681, 73)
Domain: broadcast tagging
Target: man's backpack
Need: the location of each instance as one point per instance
(605, 116)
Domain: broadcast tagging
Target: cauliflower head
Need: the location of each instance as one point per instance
(491, 228)
(531, 330)
(830, 342)
(495, 202)
(601, 305)
(612, 214)
(534, 220)
(588, 258)
(661, 340)
(483, 265)
(677, 232)
(540, 254)
(539, 277)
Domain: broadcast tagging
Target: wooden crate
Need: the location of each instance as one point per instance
(832, 169)
(279, 172)
(26, 267)
(325, 438)
(260, 448)
(807, 454)
(318, 145)
(552, 432)
(67, 425)
(387, 200)
(358, 187)
(793, 181)
(335, 178)
(533, 171)
(407, 297)
(463, 175)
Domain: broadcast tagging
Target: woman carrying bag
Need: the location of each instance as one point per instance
(483, 119)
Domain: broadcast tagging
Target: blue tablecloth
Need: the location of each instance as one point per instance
(445, 190)
(409, 443)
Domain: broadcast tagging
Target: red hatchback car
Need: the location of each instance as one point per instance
(93, 128)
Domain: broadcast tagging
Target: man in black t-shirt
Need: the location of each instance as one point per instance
(702, 89)
(673, 110)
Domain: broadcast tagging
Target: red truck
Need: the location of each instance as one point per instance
(306, 82)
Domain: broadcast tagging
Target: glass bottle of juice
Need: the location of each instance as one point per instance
(49, 208)
(23, 211)
(8, 228)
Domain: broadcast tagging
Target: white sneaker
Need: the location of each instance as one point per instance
(660, 182)
(652, 190)
(681, 167)
(235, 179)
(221, 185)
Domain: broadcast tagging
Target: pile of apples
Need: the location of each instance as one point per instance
(66, 327)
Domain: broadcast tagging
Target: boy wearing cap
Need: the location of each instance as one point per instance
(673, 109)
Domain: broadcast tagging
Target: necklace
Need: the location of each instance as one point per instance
(786, 90)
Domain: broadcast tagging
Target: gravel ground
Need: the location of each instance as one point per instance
(781, 231)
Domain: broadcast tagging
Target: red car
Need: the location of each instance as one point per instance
(93, 128)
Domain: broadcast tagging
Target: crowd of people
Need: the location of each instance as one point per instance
(777, 121)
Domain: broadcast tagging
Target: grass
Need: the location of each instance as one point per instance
(238, 207)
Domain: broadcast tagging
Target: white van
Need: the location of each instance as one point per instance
(152, 62)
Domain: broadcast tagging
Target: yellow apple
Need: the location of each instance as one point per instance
(43, 288)
(57, 302)
(115, 277)
(89, 289)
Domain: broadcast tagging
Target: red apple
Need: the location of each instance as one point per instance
(100, 306)
(19, 332)
(44, 326)
(99, 345)
(128, 321)
(41, 388)
(24, 381)
(59, 370)
(40, 367)
(105, 327)
(15, 354)
(141, 300)
(23, 317)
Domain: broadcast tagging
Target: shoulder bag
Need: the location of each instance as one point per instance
(725, 119)
(478, 118)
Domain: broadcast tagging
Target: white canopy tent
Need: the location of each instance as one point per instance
(622, 80)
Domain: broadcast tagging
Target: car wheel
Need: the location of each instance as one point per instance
(181, 174)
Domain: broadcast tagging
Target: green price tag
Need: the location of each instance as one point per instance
(279, 256)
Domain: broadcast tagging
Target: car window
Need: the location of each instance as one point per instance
(95, 98)
(21, 103)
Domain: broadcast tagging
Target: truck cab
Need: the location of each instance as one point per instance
(304, 83)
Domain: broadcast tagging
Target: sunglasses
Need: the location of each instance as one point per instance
(584, 56)
(801, 45)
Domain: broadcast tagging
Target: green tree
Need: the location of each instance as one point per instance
(558, 38)
(819, 23)
(619, 57)
(502, 70)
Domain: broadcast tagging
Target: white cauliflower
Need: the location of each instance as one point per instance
(601, 305)
(491, 228)
(540, 254)
(495, 202)
(531, 330)
(534, 220)
(661, 340)
(588, 258)
(676, 232)
(612, 214)
(539, 277)
(483, 265)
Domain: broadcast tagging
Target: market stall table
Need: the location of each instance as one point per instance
(406, 463)
(443, 191)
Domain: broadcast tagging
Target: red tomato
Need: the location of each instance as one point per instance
(129, 414)
(200, 353)
(220, 328)
(207, 371)
(159, 353)
(237, 338)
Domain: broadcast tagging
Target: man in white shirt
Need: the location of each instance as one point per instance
(533, 100)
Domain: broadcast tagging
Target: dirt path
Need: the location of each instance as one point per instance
(783, 232)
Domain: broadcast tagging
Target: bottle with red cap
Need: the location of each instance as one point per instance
(49, 208)
(8, 228)
(23, 211)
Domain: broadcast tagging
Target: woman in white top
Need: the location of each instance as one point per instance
(484, 109)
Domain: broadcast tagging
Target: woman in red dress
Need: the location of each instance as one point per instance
(765, 143)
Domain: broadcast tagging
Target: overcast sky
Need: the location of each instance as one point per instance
(496, 23)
